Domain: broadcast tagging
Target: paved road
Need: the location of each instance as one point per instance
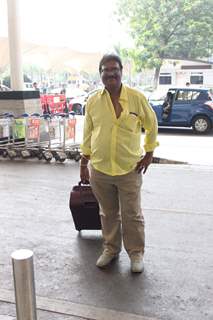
(184, 145)
(177, 144)
(178, 207)
(178, 280)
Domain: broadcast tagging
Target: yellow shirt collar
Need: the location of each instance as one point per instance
(123, 95)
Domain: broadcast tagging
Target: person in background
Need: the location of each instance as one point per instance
(35, 86)
(167, 105)
(44, 88)
(63, 89)
(113, 122)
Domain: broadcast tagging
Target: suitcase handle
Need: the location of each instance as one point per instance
(81, 182)
(87, 201)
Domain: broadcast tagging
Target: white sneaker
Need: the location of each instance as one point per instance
(105, 259)
(137, 264)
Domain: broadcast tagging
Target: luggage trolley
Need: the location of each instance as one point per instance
(19, 133)
(53, 137)
(20, 137)
(16, 133)
(6, 140)
(32, 139)
(61, 128)
(58, 145)
(42, 137)
(70, 146)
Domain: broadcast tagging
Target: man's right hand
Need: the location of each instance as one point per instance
(84, 174)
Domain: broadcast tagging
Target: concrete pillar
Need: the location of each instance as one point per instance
(14, 37)
(17, 101)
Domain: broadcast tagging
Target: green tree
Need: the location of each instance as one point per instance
(128, 63)
(181, 29)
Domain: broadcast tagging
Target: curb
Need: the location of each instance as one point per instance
(74, 310)
(166, 161)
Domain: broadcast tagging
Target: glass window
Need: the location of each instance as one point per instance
(165, 78)
(196, 78)
(184, 95)
(195, 95)
(203, 95)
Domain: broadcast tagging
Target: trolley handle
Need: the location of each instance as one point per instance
(62, 114)
(8, 115)
(35, 115)
(46, 116)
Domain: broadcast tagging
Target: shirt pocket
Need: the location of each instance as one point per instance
(130, 122)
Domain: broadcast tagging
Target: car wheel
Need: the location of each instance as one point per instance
(201, 124)
(77, 108)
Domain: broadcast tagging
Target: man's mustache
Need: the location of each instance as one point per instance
(111, 77)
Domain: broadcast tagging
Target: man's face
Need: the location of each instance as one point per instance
(111, 75)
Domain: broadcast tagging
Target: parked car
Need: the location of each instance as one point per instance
(28, 86)
(4, 88)
(188, 107)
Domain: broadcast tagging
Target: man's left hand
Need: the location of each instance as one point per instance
(143, 164)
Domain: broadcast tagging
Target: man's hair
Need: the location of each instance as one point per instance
(109, 57)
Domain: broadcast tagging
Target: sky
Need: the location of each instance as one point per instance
(83, 25)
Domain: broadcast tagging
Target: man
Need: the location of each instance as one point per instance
(112, 132)
(167, 105)
(35, 86)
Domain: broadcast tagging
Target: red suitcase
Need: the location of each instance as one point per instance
(84, 208)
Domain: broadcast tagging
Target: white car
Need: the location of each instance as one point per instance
(4, 88)
(28, 86)
(76, 99)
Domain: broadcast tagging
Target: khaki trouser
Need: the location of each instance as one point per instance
(120, 209)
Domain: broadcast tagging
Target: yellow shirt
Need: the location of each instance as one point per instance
(114, 144)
